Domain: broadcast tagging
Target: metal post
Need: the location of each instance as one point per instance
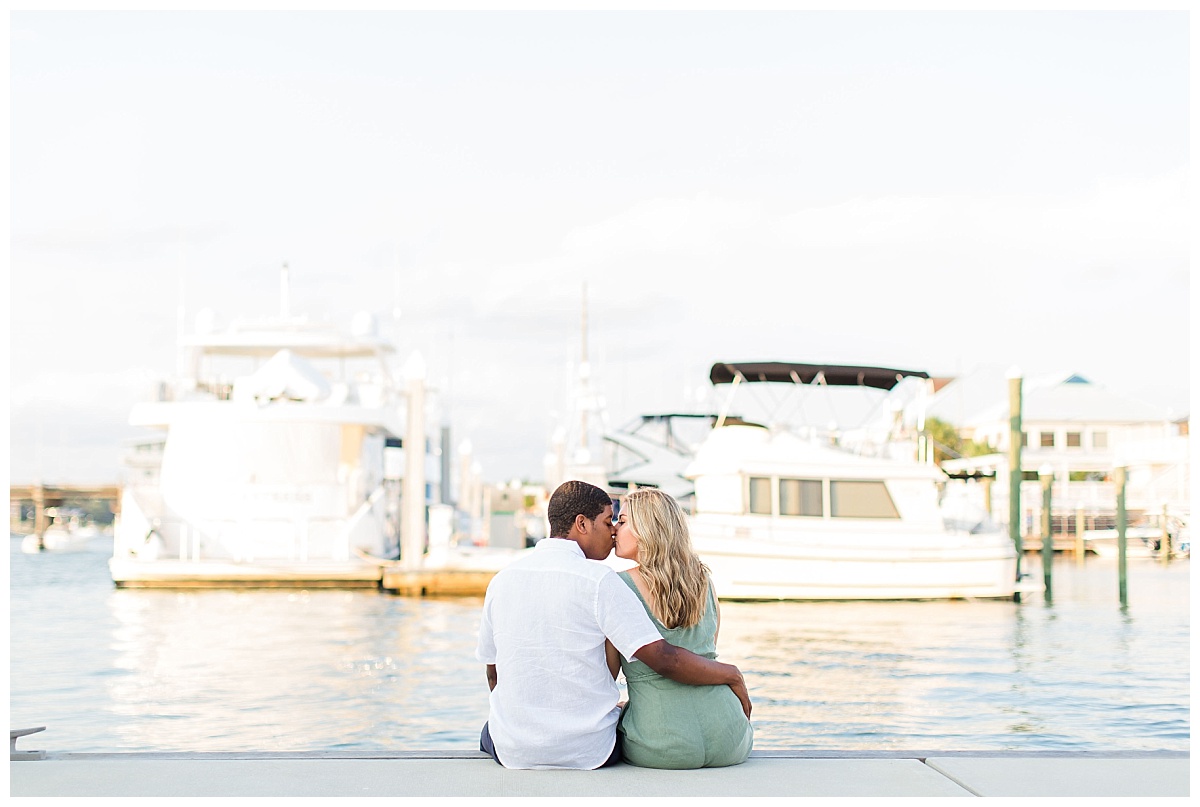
(445, 466)
(1046, 475)
(412, 503)
(1014, 467)
(1121, 579)
(584, 371)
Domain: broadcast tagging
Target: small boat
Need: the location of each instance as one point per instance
(782, 514)
(1143, 539)
(60, 539)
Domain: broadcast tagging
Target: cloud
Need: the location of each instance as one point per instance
(686, 227)
(19, 33)
(98, 235)
(108, 392)
(1142, 220)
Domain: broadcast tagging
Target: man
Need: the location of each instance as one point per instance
(553, 701)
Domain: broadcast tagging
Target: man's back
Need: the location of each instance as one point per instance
(545, 619)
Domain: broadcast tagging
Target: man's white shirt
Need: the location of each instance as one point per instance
(545, 618)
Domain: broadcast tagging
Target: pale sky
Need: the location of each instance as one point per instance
(929, 191)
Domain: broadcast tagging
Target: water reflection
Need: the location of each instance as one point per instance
(112, 670)
(981, 675)
(276, 670)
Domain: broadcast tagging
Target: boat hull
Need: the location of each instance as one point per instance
(227, 574)
(814, 567)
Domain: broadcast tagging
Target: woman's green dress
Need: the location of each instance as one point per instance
(672, 725)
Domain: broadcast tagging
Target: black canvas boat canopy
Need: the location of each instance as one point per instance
(838, 375)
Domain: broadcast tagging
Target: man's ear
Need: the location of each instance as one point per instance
(581, 523)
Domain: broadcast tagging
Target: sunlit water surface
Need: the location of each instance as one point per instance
(280, 670)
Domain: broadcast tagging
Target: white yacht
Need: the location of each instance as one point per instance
(275, 462)
(781, 515)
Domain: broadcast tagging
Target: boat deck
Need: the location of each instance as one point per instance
(469, 773)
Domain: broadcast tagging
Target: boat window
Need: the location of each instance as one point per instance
(1099, 439)
(760, 495)
(1074, 439)
(1047, 439)
(860, 499)
(800, 497)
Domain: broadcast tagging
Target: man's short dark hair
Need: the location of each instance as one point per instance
(571, 499)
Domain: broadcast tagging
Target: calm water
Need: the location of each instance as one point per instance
(118, 670)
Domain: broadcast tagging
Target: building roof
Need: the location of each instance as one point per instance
(981, 397)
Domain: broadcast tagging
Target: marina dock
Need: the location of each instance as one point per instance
(472, 773)
(45, 496)
(437, 582)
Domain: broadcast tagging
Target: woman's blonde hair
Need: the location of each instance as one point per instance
(676, 579)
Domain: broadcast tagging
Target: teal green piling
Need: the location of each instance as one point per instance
(1122, 583)
(1046, 475)
(1014, 469)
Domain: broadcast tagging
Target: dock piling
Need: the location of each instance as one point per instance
(1014, 467)
(1046, 475)
(1164, 544)
(1080, 546)
(1121, 518)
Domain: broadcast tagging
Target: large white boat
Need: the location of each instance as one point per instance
(275, 462)
(782, 515)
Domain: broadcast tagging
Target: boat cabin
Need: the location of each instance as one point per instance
(751, 471)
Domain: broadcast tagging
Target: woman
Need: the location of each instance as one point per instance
(666, 724)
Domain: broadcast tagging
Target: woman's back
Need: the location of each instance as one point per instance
(672, 725)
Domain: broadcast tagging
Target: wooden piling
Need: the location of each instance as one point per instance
(40, 521)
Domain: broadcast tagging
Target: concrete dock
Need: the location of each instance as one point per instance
(470, 773)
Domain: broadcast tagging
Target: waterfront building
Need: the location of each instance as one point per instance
(1082, 432)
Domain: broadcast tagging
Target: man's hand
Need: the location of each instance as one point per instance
(491, 677)
(742, 693)
(686, 667)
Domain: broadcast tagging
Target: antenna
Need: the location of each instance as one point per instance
(283, 292)
(584, 324)
(583, 374)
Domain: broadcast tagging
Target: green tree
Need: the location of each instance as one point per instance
(947, 444)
